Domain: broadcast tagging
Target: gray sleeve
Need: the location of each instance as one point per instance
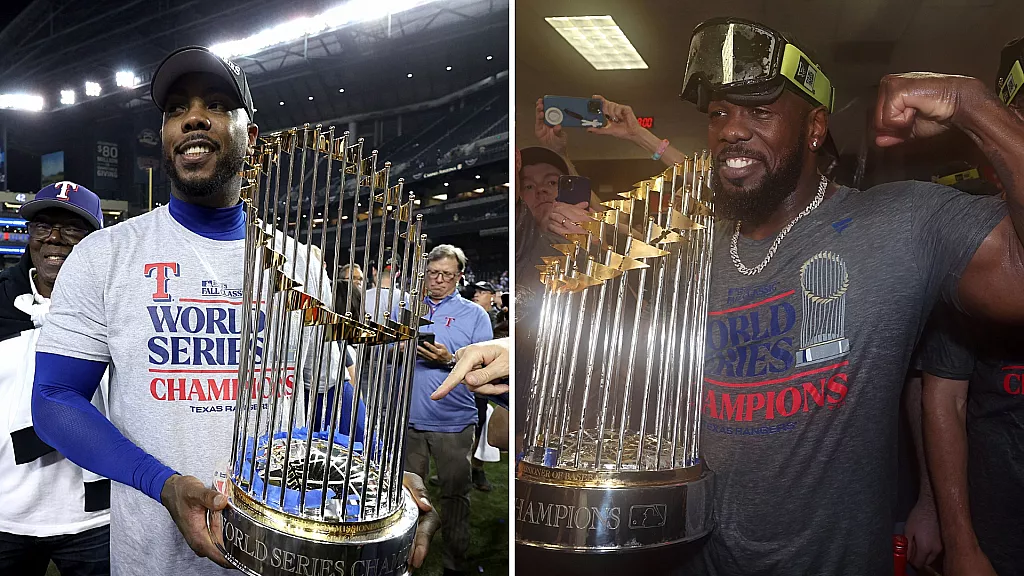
(947, 348)
(77, 323)
(947, 227)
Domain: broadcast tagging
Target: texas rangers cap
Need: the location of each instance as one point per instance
(68, 196)
(198, 59)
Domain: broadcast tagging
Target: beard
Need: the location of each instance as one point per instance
(227, 167)
(755, 205)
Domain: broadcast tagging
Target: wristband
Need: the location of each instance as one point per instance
(661, 150)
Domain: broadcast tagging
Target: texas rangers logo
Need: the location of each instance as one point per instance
(65, 188)
(163, 272)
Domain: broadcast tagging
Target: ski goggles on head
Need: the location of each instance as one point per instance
(1010, 76)
(750, 63)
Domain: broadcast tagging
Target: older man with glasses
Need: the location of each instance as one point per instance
(444, 429)
(50, 509)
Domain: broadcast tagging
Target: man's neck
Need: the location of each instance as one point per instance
(796, 202)
(225, 198)
(44, 289)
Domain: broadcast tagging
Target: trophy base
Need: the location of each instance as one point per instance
(261, 541)
(578, 511)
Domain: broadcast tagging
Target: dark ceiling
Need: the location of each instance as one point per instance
(857, 42)
(50, 45)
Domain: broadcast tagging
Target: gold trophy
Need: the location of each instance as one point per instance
(311, 489)
(611, 460)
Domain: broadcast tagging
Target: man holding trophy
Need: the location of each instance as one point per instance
(138, 296)
(818, 297)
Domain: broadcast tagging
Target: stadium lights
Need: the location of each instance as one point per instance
(440, 197)
(341, 90)
(352, 12)
(127, 79)
(449, 68)
(310, 98)
(409, 75)
(21, 102)
(600, 40)
(92, 89)
(489, 57)
(67, 97)
(446, 184)
(281, 103)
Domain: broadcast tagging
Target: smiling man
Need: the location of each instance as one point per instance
(133, 296)
(51, 508)
(820, 292)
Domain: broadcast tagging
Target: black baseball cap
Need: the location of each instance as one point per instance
(486, 287)
(198, 59)
(541, 155)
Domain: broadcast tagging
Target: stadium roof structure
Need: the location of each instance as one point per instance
(357, 70)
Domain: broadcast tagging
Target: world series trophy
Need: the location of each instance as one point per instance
(311, 489)
(611, 460)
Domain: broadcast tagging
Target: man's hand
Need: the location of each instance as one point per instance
(551, 137)
(973, 562)
(429, 520)
(435, 353)
(478, 364)
(562, 218)
(920, 104)
(922, 532)
(187, 499)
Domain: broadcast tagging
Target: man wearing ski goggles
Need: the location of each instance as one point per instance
(820, 291)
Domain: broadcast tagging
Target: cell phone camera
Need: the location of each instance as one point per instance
(594, 106)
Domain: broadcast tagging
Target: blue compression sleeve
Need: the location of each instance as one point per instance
(65, 418)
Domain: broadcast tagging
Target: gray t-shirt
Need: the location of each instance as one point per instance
(162, 305)
(804, 368)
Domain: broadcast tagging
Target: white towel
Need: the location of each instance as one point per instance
(484, 451)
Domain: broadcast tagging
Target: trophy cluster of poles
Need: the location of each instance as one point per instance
(313, 460)
(616, 386)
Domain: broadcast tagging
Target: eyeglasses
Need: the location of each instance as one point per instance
(42, 231)
(447, 276)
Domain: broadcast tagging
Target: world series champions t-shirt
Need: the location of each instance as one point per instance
(991, 359)
(804, 366)
(163, 305)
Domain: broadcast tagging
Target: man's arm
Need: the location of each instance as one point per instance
(65, 418)
(921, 105)
(922, 528)
(945, 436)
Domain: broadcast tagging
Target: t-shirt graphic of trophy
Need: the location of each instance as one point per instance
(824, 280)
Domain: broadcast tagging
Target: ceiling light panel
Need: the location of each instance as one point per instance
(600, 41)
